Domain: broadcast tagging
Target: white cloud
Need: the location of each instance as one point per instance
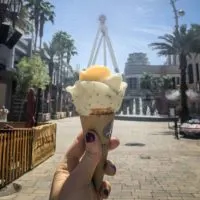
(153, 30)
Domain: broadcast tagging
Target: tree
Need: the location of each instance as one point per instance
(183, 43)
(147, 82)
(154, 84)
(47, 14)
(32, 72)
(23, 21)
(65, 49)
(155, 87)
(50, 48)
(138, 59)
(39, 9)
(71, 50)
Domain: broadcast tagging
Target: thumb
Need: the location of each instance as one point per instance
(85, 169)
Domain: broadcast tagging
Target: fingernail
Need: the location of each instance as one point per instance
(113, 166)
(105, 191)
(105, 165)
(90, 137)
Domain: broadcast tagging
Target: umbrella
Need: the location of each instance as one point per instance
(174, 95)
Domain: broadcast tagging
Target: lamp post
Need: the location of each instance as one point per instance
(10, 9)
(177, 14)
(4, 7)
(14, 10)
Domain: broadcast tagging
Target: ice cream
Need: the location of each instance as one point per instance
(97, 88)
(97, 96)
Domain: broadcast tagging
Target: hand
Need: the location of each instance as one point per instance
(73, 177)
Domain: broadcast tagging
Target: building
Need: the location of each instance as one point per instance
(8, 60)
(192, 76)
(193, 70)
(134, 99)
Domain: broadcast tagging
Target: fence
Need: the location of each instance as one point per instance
(43, 143)
(22, 149)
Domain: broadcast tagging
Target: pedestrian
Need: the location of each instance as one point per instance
(73, 177)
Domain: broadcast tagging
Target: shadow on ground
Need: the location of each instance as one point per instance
(135, 144)
(191, 137)
(10, 190)
(164, 133)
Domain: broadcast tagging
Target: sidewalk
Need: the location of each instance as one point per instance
(151, 164)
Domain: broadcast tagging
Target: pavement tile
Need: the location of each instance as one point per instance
(161, 168)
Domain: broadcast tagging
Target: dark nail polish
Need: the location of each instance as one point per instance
(90, 137)
(105, 165)
(113, 166)
(105, 191)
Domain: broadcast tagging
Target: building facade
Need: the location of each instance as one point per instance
(193, 69)
(192, 76)
(135, 101)
(8, 61)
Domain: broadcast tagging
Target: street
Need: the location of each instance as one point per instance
(151, 164)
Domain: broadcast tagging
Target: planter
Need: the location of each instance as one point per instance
(59, 115)
(22, 149)
(44, 117)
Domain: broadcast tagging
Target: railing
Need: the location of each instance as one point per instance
(15, 154)
(22, 149)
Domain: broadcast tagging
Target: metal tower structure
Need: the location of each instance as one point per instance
(102, 37)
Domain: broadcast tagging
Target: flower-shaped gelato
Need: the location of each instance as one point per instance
(97, 88)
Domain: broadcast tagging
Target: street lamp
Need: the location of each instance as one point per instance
(4, 5)
(177, 14)
(14, 10)
(10, 8)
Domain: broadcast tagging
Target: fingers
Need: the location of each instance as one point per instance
(77, 149)
(105, 190)
(114, 143)
(109, 168)
(85, 169)
(75, 152)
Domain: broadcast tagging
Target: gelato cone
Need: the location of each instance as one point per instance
(97, 96)
(102, 124)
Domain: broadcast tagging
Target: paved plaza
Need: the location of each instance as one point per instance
(151, 164)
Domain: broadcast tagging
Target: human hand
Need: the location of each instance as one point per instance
(73, 177)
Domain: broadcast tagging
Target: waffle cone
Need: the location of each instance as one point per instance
(101, 121)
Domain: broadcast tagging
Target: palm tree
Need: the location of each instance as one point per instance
(38, 9)
(23, 21)
(47, 14)
(65, 49)
(71, 50)
(34, 8)
(51, 51)
(183, 43)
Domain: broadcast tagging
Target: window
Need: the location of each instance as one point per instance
(178, 80)
(197, 71)
(133, 83)
(190, 74)
(173, 82)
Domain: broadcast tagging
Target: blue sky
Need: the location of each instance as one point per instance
(132, 25)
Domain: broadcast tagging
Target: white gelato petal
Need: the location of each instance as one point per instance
(114, 81)
(88, 95)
